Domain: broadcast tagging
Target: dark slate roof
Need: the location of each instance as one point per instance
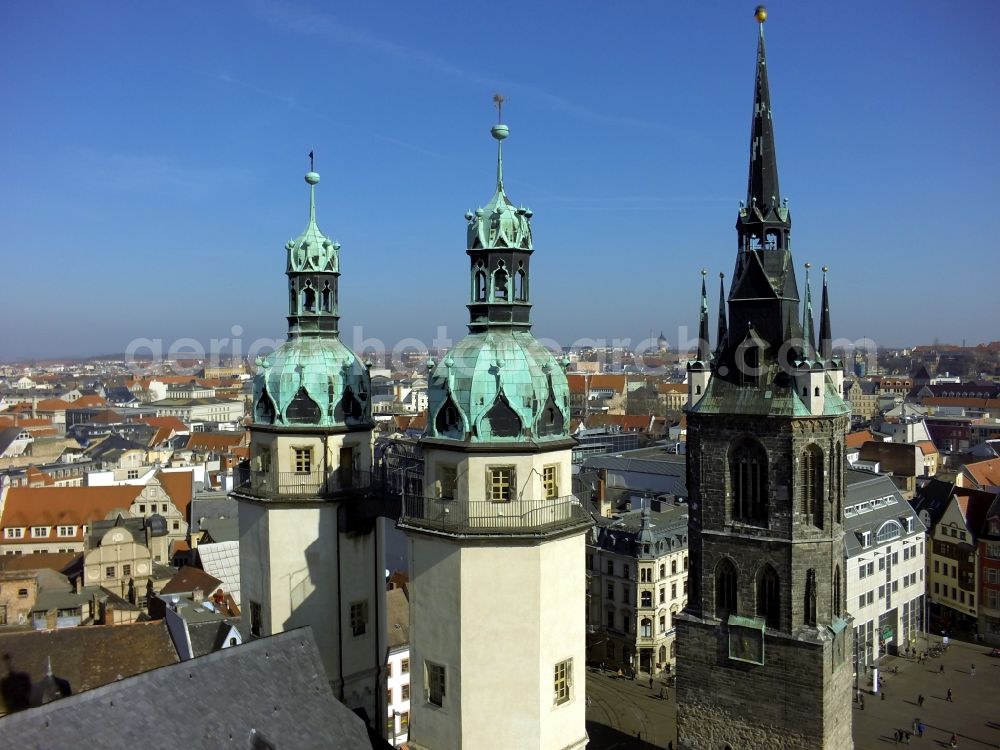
(86, 657)
(274, 688)
(622, 532)
(873, 499)
(7, 436)
(207, 637)
(209, 508)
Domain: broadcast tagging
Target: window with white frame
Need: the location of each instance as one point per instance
(563, 681)
(39, 532)
(14, 533)
(302, 458)
(888, 530)
(67, 531)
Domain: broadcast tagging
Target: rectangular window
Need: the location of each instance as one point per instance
(109, 571)
(388, 670)
(256, 618)
(590, 561)
(673, 591)
(881, 563)
(142, 508)
(663, 623)
(359, 617)
(388, 696)
(936, 567)
(871, 597)
(435, 676)
(448, 477)
(549, 482)
(624, 570)
(15, 533)
(647, 598)
(405, 692)
(500, 483)
(67, 531)
(40, 532)
(303, 460)
(663, 594)
(404, 666)
(611, 567)
(404, 720)
(132, 474)
(611, 592)
(126, 570)
(563, 681)
(625, 596)
(861, 600)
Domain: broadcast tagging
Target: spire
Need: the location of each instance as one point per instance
(825, 337)
(703, 346)
(723, 328)
(499, 131)
(762, 183)
(809, 345)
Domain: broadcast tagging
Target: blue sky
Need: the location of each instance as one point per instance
(152, 160)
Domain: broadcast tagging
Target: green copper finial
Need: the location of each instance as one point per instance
(499, 131)
(312, 177)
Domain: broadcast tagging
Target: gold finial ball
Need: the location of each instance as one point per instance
(760, 14)
(704, 272)
(825, 269)
(808, 265)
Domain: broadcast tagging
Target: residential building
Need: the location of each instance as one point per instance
(309, 541)
(767, 610)
(637, 565)
(980, 475)
(496, 506)
(956, 518)
(397, 667)
(989, 576)
(884, 548)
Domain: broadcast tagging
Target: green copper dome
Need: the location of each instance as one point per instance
(498, 386)
(313, 382)
(312, 379)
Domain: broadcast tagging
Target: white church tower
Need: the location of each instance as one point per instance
(310, 553)
(497, 539)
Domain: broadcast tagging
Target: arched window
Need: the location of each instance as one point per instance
(293, 300)
(646, 628)
(811, 466)
(888, 531)
(673, 567)
(309, 298)
(836, 591)
(725, 588)
(810, 604)
(662, 657)
(500, 278)
(748, 482)
(769, 597)
(325, 298)
(480, 291)
(521, 284)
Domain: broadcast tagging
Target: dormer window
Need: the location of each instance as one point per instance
(866, 539)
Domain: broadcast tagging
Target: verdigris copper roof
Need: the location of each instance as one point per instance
(312, 381)
(498, 385)
(312, 250)
(499, 223)
(723, 397)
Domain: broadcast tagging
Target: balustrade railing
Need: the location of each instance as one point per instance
(305, 484)
(485, 516)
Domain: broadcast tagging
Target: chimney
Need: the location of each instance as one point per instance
(76, 584)
(603, 507)
(198, 596)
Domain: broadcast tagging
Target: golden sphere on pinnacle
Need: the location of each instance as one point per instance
(760, 14)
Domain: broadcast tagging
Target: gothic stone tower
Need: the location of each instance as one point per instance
(764, 644)
(497, 551)
(309, 553)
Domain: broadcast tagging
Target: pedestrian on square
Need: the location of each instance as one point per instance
(973, 670)
(906, 737)
(920, 700)
(920, 729)
(650, 683)
(949, 696)
(895, 737)
(861, 701)
(916, 723)
(941, 669)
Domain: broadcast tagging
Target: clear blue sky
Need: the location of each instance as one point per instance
(152, 159)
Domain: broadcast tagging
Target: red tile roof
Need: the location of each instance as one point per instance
(220, 442)
(63, 506)
(985, 473)
(179, 485)
(859, 438)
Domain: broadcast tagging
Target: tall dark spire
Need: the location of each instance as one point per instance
(809, 347)
(825, 337)
(723, 328)
(704, 348)
(762, 182)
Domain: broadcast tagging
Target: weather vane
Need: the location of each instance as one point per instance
(311, 165)
(498, 100)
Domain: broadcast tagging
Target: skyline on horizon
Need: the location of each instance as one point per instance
(137, 171)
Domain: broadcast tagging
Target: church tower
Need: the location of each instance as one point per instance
(310, 554)
(764, 646)
(497, 539)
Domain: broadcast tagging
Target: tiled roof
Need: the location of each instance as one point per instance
(64, 506)
(397, 617)
(671, 388)
(927, 447)
(86, 657)
(57, 561)
(190, 578)
(172, 423)
(222, 561)
(985, 473)
(859, 438)
(631, 423)
(179, 485)
(220, 442)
